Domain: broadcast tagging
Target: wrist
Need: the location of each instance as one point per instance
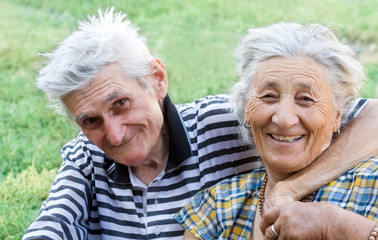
(349, 225)
(283, 192)
(374, 232)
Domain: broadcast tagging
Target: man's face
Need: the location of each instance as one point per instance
(118, 115)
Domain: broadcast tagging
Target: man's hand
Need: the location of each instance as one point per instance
(282, 193)
(315, 221)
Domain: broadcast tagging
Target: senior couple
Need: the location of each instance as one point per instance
(220, 167)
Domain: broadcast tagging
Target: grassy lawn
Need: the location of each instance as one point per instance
(195, 39)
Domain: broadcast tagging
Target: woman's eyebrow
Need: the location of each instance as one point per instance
(305, 86)
(268, 83)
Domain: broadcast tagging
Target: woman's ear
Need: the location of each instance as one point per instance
(337, 124)
(159, 78)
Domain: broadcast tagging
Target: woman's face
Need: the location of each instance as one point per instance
(292, 113)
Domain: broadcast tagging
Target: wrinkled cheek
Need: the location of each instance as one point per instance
(251, 109)
(253, 117)
(320, 142)
(259, 139)
(322, 132)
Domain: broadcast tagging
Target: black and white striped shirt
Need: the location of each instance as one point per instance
(96, 198)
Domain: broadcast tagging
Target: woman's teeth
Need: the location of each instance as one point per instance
(286, 138)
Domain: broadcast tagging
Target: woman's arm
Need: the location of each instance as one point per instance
(358, 142)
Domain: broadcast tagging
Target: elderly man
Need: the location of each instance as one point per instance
(139, 158)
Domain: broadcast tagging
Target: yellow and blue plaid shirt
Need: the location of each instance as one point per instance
(226, 210)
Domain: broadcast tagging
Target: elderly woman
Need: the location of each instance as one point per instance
(296, 83)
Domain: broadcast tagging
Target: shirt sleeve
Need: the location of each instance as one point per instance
(356, 107)
(199, 215)
(364, 192)
(356, 190)
(64, 215)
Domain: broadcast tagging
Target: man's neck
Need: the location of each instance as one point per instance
(157, 160)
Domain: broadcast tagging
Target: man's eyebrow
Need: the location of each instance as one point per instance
(112, 96)
(108, 98)
(81, 117)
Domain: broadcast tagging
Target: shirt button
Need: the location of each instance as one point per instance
(156, 230)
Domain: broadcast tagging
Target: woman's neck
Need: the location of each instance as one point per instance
(274, 178)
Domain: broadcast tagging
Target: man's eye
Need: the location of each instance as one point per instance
(121, 104)
(89, 121)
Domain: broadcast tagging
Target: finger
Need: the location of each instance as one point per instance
(270, 217)
(270, 234)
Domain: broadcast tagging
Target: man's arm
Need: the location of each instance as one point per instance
(65, 213)
(358, 142)
(318, 221)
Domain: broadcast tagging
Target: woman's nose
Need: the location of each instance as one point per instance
(285, 115)
(114, 130)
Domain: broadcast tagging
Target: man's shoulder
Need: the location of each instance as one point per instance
(218, 101)
(81, 151)
(206, 107)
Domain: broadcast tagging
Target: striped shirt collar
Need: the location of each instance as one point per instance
(179, 146)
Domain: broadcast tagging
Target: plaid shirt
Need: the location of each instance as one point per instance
(226, 210)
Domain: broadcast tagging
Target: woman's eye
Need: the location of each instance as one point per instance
(306, 100)
(269, 97)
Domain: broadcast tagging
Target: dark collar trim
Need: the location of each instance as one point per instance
(179, 147)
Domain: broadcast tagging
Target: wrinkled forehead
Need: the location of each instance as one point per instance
(279, 70)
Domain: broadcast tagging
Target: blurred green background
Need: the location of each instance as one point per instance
(196, 41)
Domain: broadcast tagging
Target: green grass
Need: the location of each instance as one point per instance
(19, 202)
(195, 39)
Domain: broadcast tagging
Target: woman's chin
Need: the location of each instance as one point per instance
(286, 166)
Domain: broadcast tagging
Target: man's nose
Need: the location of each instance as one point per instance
(285, 115)
(114, 130)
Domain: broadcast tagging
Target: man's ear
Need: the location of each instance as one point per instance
(159, 78)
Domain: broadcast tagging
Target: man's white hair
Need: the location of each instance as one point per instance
(103, 39)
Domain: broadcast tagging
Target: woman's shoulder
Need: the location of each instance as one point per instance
(367, 167)
(243, 183)
(362, 176)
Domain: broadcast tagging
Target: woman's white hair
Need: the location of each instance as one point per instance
(103, 39)
(345, 73)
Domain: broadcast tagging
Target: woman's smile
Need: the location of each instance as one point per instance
(281, 138)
